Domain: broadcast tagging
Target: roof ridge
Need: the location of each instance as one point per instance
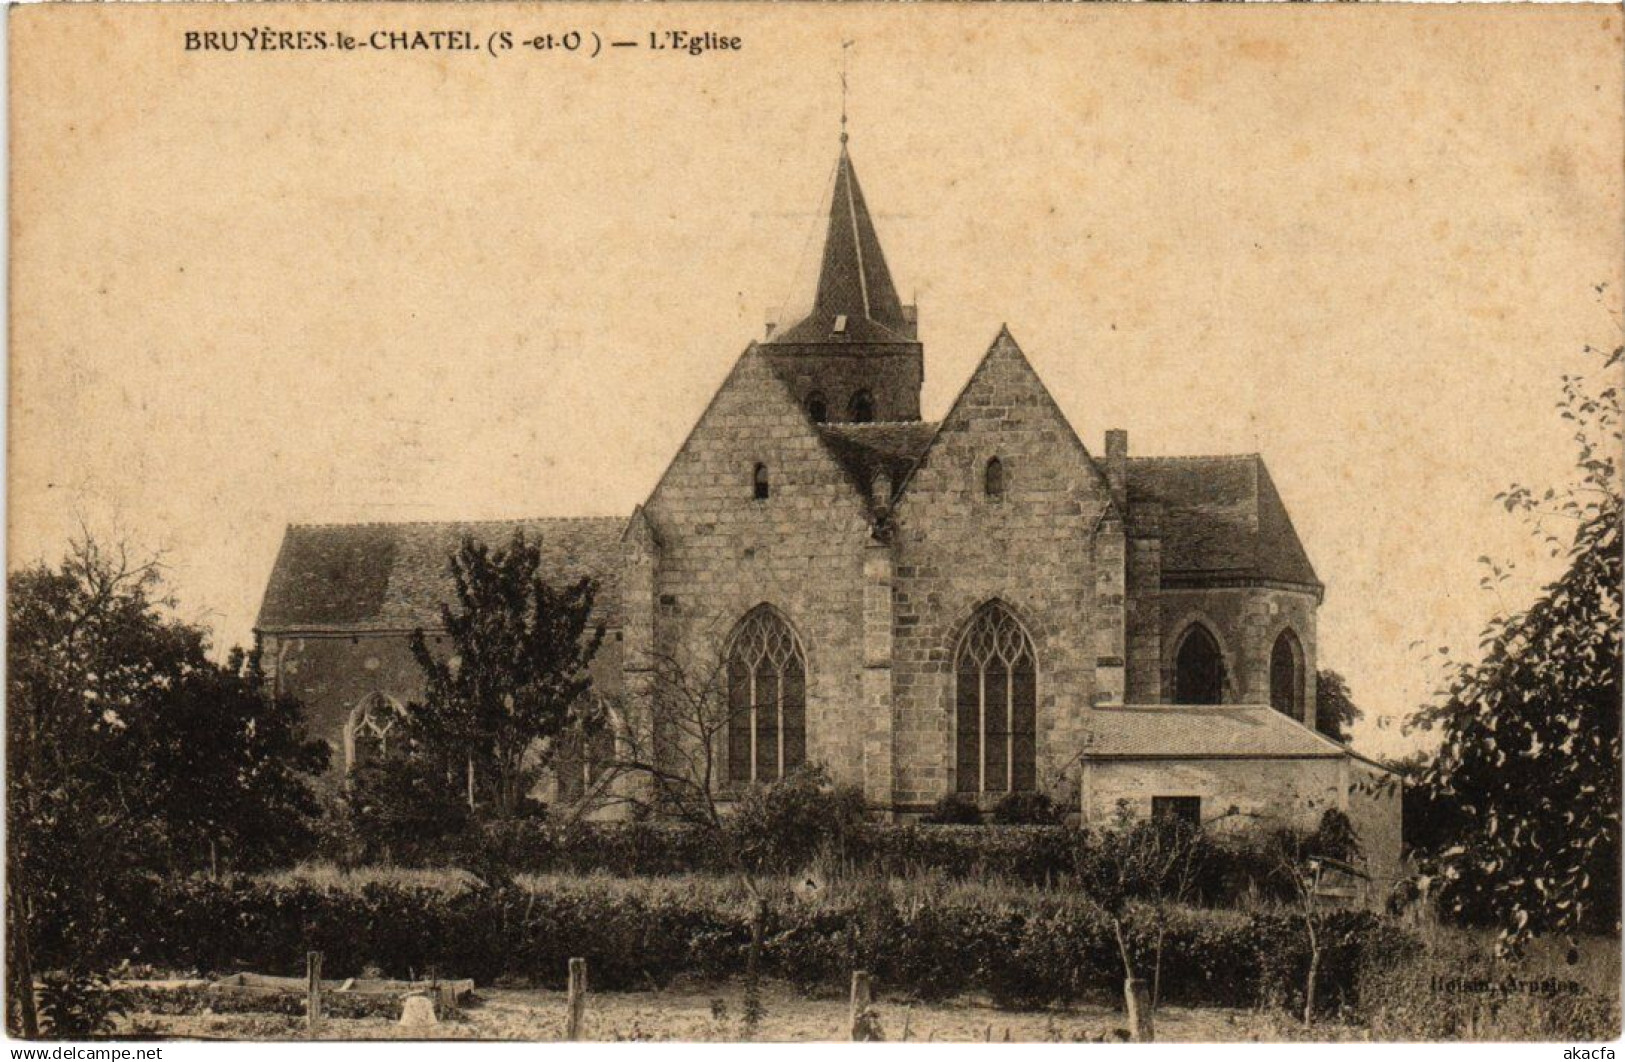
(442, 523)
(1249, 455)
(865, 425)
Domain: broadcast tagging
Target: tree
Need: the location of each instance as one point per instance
(1335, 711)
(671, 748)
(1302, 860)
(1530, 750)
(127, 748)
(1150, 861)
(515, 684)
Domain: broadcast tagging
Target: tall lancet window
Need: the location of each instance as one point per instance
(996, 694)
(767, 699)
(1198, 668)
(1286, 675)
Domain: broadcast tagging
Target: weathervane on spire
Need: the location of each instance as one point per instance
(845, 45)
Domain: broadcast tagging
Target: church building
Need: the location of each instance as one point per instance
(978, 604)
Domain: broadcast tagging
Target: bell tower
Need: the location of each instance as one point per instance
(856, 356)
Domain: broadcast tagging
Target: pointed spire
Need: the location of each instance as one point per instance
(856, 300)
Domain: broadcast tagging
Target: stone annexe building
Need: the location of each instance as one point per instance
(973, 605)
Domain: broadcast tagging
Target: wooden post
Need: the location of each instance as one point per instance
(576, 1002)
(861, 995)
(313, 998)
(1140, 1027)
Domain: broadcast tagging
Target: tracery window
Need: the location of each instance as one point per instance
(581, 761)
(373, 731)
(1198, 668)
(1286, 675)
(767, 699)
(996, 695)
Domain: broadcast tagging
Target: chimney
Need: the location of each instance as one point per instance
(1117, 466)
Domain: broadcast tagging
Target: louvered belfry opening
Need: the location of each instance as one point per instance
(996, 695)
(767, 699)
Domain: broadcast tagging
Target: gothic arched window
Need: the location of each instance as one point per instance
(580, 761)
(373, 731)
(767, 699)
(996, 697)
(759, 484)
(861, 410)
(1286, 675)
(993, 479)
(1198, 668)
(817, 407)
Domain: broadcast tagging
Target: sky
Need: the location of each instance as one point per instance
(250, 289)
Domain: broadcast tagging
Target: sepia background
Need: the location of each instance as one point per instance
(251, 289)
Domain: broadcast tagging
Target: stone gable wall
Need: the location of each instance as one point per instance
(721, 552)
(1035, 550)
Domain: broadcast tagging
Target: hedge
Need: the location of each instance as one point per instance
(1230, 867)
(1034, 950)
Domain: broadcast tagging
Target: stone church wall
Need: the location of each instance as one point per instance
(721, 552)
(1034, 550)
(1294, 791)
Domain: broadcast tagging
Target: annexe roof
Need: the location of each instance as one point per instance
(1217, 731)
(394, 576)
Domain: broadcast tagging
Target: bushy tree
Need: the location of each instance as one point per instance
(1335, 710)
(127, 748)
(515, 683)
(1530, 751)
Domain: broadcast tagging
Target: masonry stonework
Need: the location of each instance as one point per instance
(811, 487)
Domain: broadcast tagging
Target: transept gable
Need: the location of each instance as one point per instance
(1005, 394)
(752, 420)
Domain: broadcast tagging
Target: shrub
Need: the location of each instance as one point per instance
(779, 828)
(1028, 809)
(954, 810)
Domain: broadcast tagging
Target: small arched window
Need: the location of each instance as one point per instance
(759, 486)
(817, 407)
(1198, 668)
(993, 479)
(861, 410)
(1286, 675)
(373, 731)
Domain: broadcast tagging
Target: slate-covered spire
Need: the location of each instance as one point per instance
(856, 301)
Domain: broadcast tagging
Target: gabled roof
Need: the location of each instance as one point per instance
(864, 449)
(1222, 731)
(1221, 517)
(856, 301)
(351, 577)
